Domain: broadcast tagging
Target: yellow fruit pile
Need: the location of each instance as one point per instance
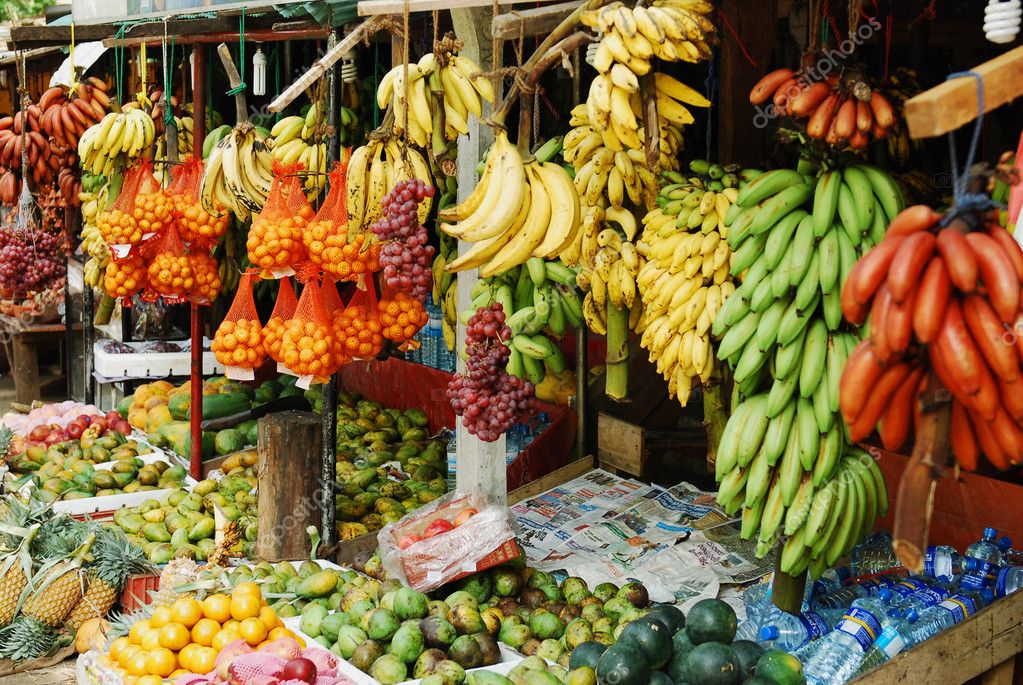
(187, 636)
(152, 211)
(276, 244)
(309, 348)
(402, 317)
(126, 277)
(206, 275)
(195, 223)
(360, 332)
(239, 343)
(119, 228)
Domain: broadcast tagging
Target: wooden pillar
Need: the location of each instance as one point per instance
(739, 139)
(291, 494)
(25, 368)
(481, 465)
(196, 333)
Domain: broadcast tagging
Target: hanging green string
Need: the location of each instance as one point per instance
(168, 80)
(376, 82)
(241, 55)
(274, 57)
(119, 60)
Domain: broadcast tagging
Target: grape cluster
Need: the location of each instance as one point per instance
(30, 260)
(489, 400)
(405, 257)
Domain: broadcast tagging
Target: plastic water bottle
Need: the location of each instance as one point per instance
(869, 587)
(761, 610)
(906, 587)
(1009, 580)
(873, 555)
(831, 580)
(983, 559)
(452, 461)
(790, 632)
(934, 593)
(948, 612)
(894, 638)
(433, 337)
(842, 650)
(942, 560)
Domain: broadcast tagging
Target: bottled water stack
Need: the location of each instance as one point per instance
(894, 638)
(789, 632)
(942, 560)
(841, 651)
(948, 612)
(983, 559)
(873, 555)
(934, 593)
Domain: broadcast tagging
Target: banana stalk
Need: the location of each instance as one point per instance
(715, 412)
(617, 368)
(439, 143)
(104, 311)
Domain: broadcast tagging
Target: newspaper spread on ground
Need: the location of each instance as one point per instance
(601, 527)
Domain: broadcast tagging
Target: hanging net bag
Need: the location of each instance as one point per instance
(309, 347)
(275, 237)
(195, 224)
(273, 331)
(334, 244)
(359, 328)
(238, 342)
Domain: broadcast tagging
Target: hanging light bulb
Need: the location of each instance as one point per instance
(259, 72)
(3, 78)
(1002, 20)
(591, 49)
(349, 69)
(191, 69)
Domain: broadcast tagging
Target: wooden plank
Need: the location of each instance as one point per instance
(369, 8)
(965, 651)
(26, 369)
(530, 22)
(620, 444)
(950, 105)
(552, 479)
(1000, 674)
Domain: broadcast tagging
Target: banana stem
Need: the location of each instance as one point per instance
(439, 144)
(786, 590)
(616, 381)
(715, 414)
(104, 311)
(651, 126)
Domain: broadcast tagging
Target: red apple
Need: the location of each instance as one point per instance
(408, 541)
(39, 433)
(84, 419)
(299, 669)
(465, 514)
(75, 430)
(100, 424)
(437, 527)
(55, 437)
(112, 415)
(122, 427)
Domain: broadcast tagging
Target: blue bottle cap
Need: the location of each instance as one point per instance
(911, 616)
(768, 633)
(987, 595)
(972, 564)
(1004, 543)
(990, 533)
(884, 594)
(545, 417)
(944, 579)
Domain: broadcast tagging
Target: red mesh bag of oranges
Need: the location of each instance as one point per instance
(273, 331)
(275, 237)
(333, 244)
(401, 316)
(238, 342)
(205, 274)
(125, 277)
(170, 270)
(117, 224)
(195, 224)
(309, 348)
(358, 327)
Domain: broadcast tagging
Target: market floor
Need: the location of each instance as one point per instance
(61, 674)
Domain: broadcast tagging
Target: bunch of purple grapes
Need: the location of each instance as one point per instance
(489, 400)
(405, 256)
(30, 260)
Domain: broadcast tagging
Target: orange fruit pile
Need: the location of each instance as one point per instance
(195, 223)
(273, 336)
(276, 244)
(239, 343)
(152, 211)
(402, 317)
(309, 348)
(206, 274)
(125, 277)
(329, 248)
(119, 228)
(171, 275)
(360, 332)
(187, 636)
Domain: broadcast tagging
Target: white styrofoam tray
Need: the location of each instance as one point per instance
(150, 364)
(509, 658)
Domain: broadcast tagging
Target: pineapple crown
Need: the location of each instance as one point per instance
(115, 558)
(26, 638)
(6, 436)
(122, 621)
(60, 536)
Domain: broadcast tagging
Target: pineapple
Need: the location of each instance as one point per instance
(26, 638)
(120, 623)
(57, 587)
(15, 570)
(115, 560)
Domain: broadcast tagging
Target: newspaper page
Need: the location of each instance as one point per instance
(602, 527)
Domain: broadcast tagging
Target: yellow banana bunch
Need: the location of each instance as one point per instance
(606, 167)
(701, 200)
(185, 135)
(117, 140)
(299, 139)
(408, 90)
(610, 263)
(375, 168)
(670, 30)
(238, 173)
(518, 210)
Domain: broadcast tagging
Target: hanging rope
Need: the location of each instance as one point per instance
(964, 201)
(143, 95)
(240, 88)
(405, 24)
(168, 77)
(495, 52)
(735, 35)
(71, 61)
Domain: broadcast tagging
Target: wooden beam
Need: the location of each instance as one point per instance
(738, 138)
(369, 8)
(952, 104)
(530, 22)
(553, 479)
(309, 32)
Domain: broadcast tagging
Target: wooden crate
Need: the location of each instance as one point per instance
(983, 647)
(639, 450)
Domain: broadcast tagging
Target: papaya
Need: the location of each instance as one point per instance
(228, 440)
(157, 416)
(213, 406)
(137, 417)
(124, 405)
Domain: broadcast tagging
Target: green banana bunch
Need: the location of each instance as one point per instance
(444, 290)
(541, 304)
(795, 238)
(701, 200)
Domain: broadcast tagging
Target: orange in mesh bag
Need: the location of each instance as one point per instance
(238, 342)
(205, 273)
(310, 349)
(117, 224)
(401, 316)
(125, 277)
(194, 223)
(284, 309)
(170, 270)
(359, 328)
(275, 237)
(333, 244)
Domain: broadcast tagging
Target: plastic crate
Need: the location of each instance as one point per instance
(137, 591)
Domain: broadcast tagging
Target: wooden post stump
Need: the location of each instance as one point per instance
(291, 496)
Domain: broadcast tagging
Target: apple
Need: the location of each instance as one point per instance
(100, 424)
(84, 419)
(39, 433)
(75, 430)
(112, 415)
(299, 669)
(437, 527)
(409, 540)
(122, 427)
(55, 437)
(465, 514)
